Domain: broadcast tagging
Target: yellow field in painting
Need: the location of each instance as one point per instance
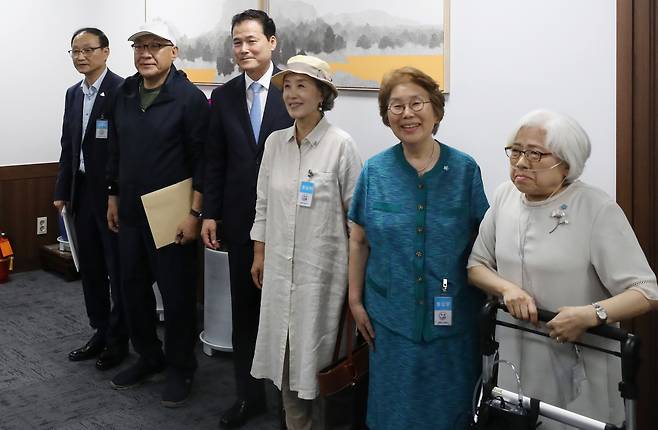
(367, 67)
(201, 75)
(373, 67)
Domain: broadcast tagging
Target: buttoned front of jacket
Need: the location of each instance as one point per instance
(420, 229)
(306, 249)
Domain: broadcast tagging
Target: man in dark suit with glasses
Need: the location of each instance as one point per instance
(81, 188)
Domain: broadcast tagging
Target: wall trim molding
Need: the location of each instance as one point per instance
(28, 171)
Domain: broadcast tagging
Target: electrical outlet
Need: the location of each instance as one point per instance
(42, 225)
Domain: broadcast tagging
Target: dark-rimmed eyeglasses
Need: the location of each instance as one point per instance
(84, 51)
(150, 47)
(415, 105)
(529, 154)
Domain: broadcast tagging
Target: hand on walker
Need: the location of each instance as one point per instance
(571, 322)
(520, 304)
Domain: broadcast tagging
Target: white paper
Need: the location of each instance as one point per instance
(70, 234)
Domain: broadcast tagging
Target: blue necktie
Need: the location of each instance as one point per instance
(255, 113)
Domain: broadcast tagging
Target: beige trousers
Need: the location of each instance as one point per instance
(301, 414)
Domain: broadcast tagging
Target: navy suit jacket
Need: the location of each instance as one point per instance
(233, 156)
(95, 150)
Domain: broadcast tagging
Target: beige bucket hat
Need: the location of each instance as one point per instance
(306, 65)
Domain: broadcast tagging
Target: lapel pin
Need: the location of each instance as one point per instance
(103, 94)
(446, 168)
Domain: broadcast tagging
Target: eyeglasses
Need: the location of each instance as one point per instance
(415, 105)
(529, 154)
(151, 47)
(84, 51)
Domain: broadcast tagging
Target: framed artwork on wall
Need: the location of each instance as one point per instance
(365, 39)
(203, 32)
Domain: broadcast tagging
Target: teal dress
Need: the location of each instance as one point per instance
(420, 230)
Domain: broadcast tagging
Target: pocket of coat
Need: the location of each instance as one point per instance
(386, 207)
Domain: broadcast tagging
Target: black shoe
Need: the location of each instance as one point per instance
(111, 357)
(137, 374)
(177, 389)
(90, 350)
(241, 411)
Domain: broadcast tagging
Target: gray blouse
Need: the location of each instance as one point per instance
(572, 249)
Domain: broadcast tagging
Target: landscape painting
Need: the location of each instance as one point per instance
(360, 40)
(365, 39)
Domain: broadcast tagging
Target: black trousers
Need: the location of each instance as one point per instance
(245, 307)
(98, 255)
(173, 267)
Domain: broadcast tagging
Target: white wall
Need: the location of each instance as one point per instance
(36, 69)
(507, 57)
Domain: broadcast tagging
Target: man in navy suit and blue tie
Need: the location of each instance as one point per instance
(244, 112)
(81, 187)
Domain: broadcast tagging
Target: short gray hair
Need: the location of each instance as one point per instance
(564, 137)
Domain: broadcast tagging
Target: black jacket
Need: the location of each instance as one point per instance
(159, 146)
(233, 157)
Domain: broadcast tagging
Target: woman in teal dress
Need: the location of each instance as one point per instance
(414, 214)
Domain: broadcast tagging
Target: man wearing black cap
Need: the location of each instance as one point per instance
(160, 124)
(81, 188)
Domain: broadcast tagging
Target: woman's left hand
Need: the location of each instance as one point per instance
(571, 322)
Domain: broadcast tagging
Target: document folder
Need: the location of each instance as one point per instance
(166, 208)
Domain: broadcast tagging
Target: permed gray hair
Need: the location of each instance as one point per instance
(564, 137)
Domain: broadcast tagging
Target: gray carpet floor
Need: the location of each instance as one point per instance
(42, 318)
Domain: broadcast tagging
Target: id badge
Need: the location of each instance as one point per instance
(306, 190)
(442, 310)
(101, 128)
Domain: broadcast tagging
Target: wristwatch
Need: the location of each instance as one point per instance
(601, 313)
(196, 214)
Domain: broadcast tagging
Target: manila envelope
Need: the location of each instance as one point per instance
(165, 210)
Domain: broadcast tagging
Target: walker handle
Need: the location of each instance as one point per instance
(606, 331)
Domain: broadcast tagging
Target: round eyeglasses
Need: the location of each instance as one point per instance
(415, 105)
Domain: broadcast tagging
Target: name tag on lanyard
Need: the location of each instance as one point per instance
(443, 307)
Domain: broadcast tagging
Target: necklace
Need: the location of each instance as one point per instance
(429, 161)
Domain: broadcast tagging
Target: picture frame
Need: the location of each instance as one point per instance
(363, 40)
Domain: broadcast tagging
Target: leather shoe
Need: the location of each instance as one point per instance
(111, 357)
(90, 350)
(238, 414)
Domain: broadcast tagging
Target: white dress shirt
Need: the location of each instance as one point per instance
(90, 93)
(265, 82)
